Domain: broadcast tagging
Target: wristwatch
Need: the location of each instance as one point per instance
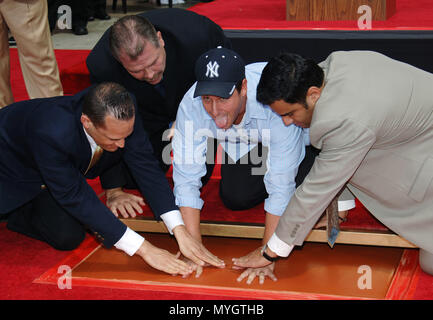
(266, 256)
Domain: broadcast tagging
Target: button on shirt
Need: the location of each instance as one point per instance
(194, 125)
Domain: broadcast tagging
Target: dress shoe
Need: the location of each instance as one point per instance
(4, 217)
(91, 18)
(79, 31)
(102, 16)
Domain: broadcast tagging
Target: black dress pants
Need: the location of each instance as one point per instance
(97, 7)
(79, 12)
(43, 219)
(240, 189)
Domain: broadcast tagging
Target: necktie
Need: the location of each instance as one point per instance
(333, 227)
(95, 157)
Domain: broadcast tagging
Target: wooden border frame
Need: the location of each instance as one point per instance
(256, 231)
(322, 10)
(402, 286)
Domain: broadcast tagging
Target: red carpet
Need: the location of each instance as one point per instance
(271, 14)
(72, 68)
(23, 260)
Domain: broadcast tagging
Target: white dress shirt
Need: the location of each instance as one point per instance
(283, 249)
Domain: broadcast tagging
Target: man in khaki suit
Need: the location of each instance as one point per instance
(28, 22)
(372, 118)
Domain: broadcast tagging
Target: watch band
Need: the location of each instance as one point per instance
(266, 256)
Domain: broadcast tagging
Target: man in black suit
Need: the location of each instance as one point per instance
(153, 56)
(48, 149)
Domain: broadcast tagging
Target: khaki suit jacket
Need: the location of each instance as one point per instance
(374, 125)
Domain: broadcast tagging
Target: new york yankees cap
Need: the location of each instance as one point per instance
(217, 72)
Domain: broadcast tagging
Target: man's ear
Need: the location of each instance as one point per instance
(85, 120)
(244, 89)
(313, 94)
(160, 39)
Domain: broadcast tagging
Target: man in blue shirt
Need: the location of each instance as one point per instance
(222, 105)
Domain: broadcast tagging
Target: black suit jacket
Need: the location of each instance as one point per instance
(42, 142)
(187, 35)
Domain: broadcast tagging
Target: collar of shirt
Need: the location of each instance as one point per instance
(91, 141)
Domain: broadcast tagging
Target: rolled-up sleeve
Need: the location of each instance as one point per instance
(286, 152)
(189, 155)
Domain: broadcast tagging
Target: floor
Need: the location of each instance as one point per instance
(66, 39)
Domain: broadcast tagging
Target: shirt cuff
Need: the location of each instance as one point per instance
(191, 202)
(130, 242)
(279, 247)
(346, 205)
(172, 219)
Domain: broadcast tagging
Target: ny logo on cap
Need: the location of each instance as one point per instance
(212, 69)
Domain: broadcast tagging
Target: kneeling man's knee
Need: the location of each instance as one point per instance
(69, 241)
(236, 203)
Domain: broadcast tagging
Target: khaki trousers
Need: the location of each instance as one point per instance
(27, 20)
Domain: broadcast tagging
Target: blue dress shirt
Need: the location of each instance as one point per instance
(260, 124)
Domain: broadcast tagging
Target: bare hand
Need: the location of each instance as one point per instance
(194, 249)
(163, 260)
(194, 267)
(125, 203)
(252, 273)
(252, 260)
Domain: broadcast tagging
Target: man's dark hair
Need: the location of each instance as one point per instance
(238, 85)
(288, 77)
(130, 34)
(108, 98)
